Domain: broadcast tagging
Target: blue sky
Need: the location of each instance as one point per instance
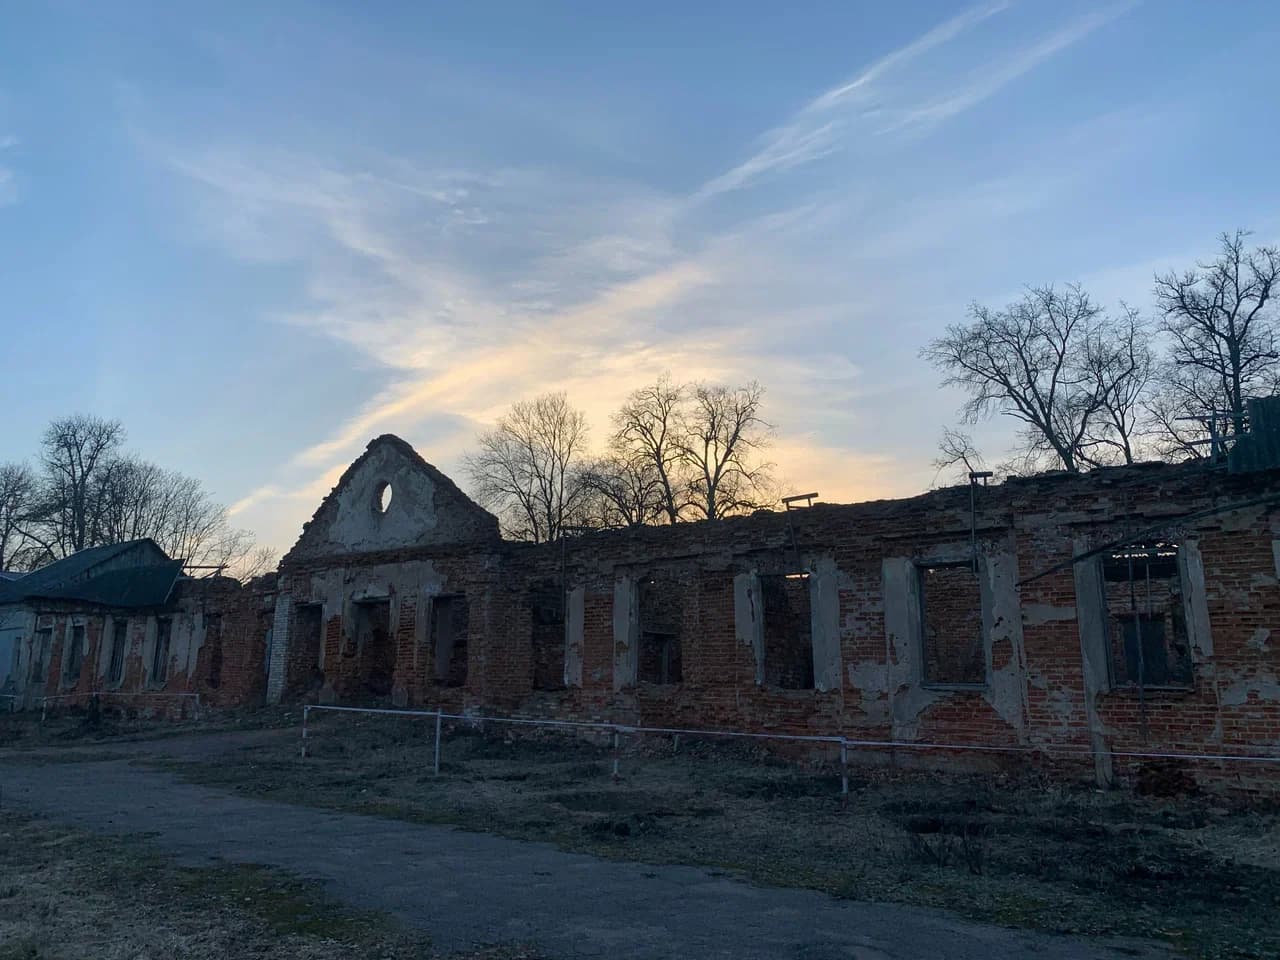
(261, 234)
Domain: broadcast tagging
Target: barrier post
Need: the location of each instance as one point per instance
(306, 710)
(436, 761)
(616, 776)
(844, 770)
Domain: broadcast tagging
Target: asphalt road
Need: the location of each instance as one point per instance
(470, 888)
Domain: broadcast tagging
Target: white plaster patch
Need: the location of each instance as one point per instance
(1037, 613)
(1238, 520)
(868, 676)
(1266, 686)
(1259, 640)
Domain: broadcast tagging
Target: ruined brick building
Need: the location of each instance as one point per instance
(122, 622)
(1125, 610)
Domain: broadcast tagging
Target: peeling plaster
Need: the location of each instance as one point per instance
(626, 633)
(824, 600)
(574, 636)
(1194, 599)
(868, 678)
(1091, 619)
(1002, 623)
(1035, 614)
(1265, 685)
(902, 668)
(748, 618)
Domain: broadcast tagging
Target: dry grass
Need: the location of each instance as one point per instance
(67, 895)
(81, 725)
(1016, 852)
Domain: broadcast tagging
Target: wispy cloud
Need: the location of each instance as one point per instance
(813, 132)
(8, 179)
(883, 98)
(987, 83)
(472, 287)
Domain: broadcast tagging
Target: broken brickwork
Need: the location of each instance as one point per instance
(909, 620)
(208, 637)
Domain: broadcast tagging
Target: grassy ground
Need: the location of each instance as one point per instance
(67, 895)
(80, 725)
(1191, 871)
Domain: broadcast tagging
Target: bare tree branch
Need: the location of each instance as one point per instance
(526, 468)
(958, 455)
(74, 450)
(1119, 356)
(17, 503)
(1045, 361)
(1221, 319)
(620, 491)
(720, 436)
(647, 426)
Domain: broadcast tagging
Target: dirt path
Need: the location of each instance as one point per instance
(472, 888)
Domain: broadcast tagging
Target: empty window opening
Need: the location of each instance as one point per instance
(951, 621)
(40, 654)
(213, 641)
(119, 644)
(303, 651)
(450, 623)
(1146, 623)
(160, 653)
(546, 608)
(661, 628)
(382, 497)
(377, 652)
(788, 631)
(75, 654)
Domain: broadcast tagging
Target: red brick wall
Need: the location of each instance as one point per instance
(1034, 698)
(952, 619)
(242, 615)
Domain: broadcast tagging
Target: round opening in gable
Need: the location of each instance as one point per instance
(382, 497)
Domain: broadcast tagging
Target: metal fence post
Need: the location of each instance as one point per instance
(436, 762)
(616, 776)
(306, 710)
(44, 708)
(844, 769)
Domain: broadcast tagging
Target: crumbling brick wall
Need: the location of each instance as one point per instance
(907, 640)
(216, 648)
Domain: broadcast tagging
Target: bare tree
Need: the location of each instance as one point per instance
(621, 489)
(1120, 358)
(1185, 413)
(133, 500)
(255, 563)
(1220, 317)
(647, 427)
(957, 454)
(228, 551)
(91, 493)
(721, 434)
(17, 503)
(526, 466)
(189, 524)
(74, 451)
(1036, 361)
